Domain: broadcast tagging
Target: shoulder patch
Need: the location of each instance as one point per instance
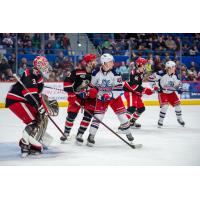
(95, 71)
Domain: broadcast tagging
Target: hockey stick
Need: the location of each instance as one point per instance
(60, 90)
(17, 78)
(133, 146)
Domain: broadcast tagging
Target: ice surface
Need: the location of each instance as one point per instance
(171, 145)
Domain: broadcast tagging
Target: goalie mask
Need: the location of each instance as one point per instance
(41, 63)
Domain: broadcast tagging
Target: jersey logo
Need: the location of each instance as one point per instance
(170, 83)
(119, 80)
(82, 76)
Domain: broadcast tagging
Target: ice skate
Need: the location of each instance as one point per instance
(79, 139)
(90, 140)
(65, 138)
(24, 148)
(34, 151)
(181, 122)
(160, 124)
(130, 137)
(133, 124)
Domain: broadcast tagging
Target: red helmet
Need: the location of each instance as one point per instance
(89, 58)
(41, 63)
(140, 61)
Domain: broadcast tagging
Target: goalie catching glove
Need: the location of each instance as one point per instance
(50, 106)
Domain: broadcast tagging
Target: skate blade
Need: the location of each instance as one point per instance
(90, 144)
(136, 146)
(68, 139)
(24, 155)
(79, 143)
(133, 127)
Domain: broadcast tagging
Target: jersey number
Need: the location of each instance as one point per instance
(34, 81)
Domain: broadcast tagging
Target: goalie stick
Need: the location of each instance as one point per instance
(17, 78)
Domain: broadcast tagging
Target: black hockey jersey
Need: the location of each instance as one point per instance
(33, 81)
(135, 82)
(76, 81)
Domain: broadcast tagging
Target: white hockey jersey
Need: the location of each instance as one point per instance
(169, 82)
(107, 83)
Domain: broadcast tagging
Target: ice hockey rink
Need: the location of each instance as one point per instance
(172, 145)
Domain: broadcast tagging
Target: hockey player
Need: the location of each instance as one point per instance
(80, 95)
(110, 89)
(20, 101)
(134, 91)
(167, 95)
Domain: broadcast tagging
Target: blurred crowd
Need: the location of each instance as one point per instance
(35, 43)
(143, 43)
(63, 65)
(157, 48)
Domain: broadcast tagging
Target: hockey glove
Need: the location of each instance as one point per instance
(92, 93)
(147, 91)
(105, 97)
(82, 94)
(156, 88)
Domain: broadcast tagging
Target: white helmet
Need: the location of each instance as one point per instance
(106, 57)
(170, 64)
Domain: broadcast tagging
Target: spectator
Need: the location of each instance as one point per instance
(193, 51)
(49, 48)
(65, 43)
(193, 69)
(51, 37)
(124, 71)
(59, 60)
(191, 76)
(161, 44)
(149, 66)
(9, 75)
(170, 43)
(21, 69)
(198, 77)
(36, 40)
(157, 61)
(7, 40)
(184, 76)
(12, 61)
(23, 63)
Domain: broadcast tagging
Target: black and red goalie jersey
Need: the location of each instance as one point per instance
(33, 81)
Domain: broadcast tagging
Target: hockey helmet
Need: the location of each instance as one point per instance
(42, 64)
(141, 61)
(170, 64)
(106, 57)
(89, 58)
